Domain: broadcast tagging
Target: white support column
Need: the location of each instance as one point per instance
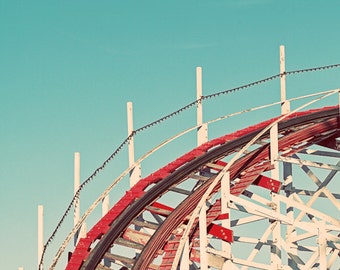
(185, 260)
(76, 215)
(40, 234)
(105, 205)
(276, 245)
(225, 198)
(203, 238)
(322, 241)
(291, 232)
(135, 173)
(274, 151)
(285, 106)
(202, 130)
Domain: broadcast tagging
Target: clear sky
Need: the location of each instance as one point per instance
(67, 69)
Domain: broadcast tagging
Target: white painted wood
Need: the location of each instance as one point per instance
(309, 163)
(225, 198)
(203, 238)
(285, 106)
(274, 152)
(76, 180)
(202, 130)
(185, 260)
(135, 173)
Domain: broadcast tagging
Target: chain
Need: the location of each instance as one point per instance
(312, 69)
(192, 104)
(225, 92)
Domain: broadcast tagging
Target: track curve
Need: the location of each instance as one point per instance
(116, 228)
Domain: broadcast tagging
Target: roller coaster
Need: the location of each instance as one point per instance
(261, 197)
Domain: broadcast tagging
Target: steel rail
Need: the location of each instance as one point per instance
(146, 155)
(134, 209)
(283, 118)
(250, 160)
(124, 173)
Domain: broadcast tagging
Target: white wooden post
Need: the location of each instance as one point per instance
(76, 178)
(225, 198)
(105, 205)
(202, 130)
(287, 167)
(76, 217)
(276, 245)
(322, 241)
(40, 234)
(203, 238)
(135, 173)
(274, 152)
(185, 257)
(285, 106)
(291, 232)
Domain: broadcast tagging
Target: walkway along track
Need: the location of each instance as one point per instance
(117, 227)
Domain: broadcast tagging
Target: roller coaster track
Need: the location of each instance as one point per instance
(142, 231)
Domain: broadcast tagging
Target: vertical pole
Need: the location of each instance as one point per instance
(185, 256)
(135, 172)
(274, 151)
(289, 190)
(202, 130)
(21, 268)
(76, 215)
(203, 238)
(199, 92)
(322, 241)
(287, 167)
(285, 106)
(225, 198)
(40, 234)
(276, 244)
(105, 205)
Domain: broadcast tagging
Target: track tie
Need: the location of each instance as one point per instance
(158, 211)
(180, 190)
(128, 243)
(145, 224)
(119, 258)
(215, 166)
(199, 177)
(136, 236)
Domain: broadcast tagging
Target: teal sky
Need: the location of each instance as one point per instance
(67, 69)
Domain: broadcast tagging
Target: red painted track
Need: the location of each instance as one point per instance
(299, 130)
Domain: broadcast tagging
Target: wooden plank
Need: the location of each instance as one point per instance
(180, 190)
(213, 260)
(199, 177)
(136, 236)
(127, 243)
(145, 224)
